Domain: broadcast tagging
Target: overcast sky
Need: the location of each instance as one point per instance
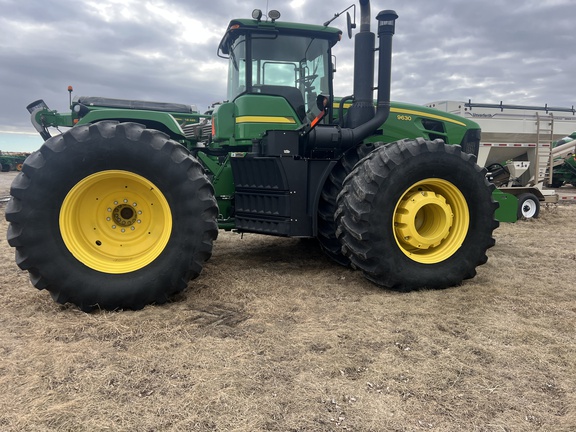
(518, 52)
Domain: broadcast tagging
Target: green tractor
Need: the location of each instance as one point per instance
(122, 209)
(12, 161)
(564, 161)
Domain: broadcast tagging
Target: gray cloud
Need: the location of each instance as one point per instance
(486, 50)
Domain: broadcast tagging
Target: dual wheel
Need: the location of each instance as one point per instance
(416, 214)
(112, 216)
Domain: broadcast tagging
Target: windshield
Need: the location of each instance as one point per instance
(279, 64)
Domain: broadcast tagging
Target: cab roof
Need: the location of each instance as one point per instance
(244, 26)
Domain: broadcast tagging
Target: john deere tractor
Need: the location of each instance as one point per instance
(121, 210)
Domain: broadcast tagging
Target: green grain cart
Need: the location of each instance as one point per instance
(122, 209)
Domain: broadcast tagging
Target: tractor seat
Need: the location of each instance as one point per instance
(291, 94)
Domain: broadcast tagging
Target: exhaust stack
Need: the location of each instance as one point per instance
(362, 109)
(361, 119)
(386, 28)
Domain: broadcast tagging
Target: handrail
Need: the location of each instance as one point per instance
(502, 107)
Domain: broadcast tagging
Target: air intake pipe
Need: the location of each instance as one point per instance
(364, 122)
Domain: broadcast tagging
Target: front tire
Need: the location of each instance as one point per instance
(112, 216)
(416, 214)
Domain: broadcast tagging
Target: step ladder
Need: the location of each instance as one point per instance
(544, 141)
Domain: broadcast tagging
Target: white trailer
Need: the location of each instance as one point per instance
(516, 146)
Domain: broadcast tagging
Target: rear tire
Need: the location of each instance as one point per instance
(327, 205)
(528, 206)
(416, 214)
(111, 215)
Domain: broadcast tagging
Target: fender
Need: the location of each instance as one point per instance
(161, 121)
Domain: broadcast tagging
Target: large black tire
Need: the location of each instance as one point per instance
(556, 184)
(112, 216)
(416, 214)
(327, 206)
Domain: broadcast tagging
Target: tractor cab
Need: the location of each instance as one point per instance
(276, 72)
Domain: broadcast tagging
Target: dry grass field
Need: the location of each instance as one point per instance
(274, 337)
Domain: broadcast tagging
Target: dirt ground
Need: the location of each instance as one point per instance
(274, 337)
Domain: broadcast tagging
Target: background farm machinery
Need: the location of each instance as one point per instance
(12, 161)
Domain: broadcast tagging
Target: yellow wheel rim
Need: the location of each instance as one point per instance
(431, 221)
(115, 221)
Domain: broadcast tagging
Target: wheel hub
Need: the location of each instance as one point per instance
(423, 220)
(115, 221)
(124, 215)
(431, 221)
(528, 209)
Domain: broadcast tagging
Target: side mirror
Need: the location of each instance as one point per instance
(349, 25)
(322, 102)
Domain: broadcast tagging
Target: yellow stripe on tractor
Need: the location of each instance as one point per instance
(265, 119)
